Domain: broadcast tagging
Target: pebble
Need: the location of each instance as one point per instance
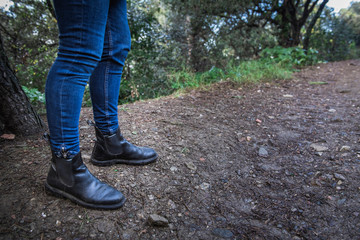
(191, 166)
(204, 186)
(345, 148)
(288, 96)
(339, 176)
(173, 169)
(222, 232)
(318, 148)
(157, 220)
(263, 152)
(332, 110)
(171, 204)
(58, 223)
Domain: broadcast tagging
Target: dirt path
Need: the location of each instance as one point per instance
(277, 161)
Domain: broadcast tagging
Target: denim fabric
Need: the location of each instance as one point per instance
(94, 43)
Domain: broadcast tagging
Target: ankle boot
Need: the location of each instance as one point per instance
(115, 149)
(71, 179)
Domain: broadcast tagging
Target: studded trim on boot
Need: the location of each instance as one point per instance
(115, 149)
(70, 178)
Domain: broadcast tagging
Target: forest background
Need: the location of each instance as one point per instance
(182, 44)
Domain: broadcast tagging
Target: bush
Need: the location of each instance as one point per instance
(36, 98)
(290, 57)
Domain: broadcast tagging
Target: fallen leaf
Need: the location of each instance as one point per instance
(202, 159)
(8, 136)
(258, 121)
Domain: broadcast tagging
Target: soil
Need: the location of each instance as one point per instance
(276, 160)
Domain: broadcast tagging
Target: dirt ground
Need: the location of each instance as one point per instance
(278, 160)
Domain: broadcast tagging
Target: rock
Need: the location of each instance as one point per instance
(157, 220)
(204, 186)
(344, 90)
(319, 148)
(173, 169)
(263, 152)
(171, 204)
(336, 119)
(339, 176)
(222, 232)
(345, 148)
(191, 166)
(58, 223)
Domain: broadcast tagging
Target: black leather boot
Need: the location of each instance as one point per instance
(115, 149)
(71, 179)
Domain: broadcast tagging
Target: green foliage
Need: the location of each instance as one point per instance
(246, 72)
(36, 98)
(258, 70)
(187, 44)
(335, 36)
(34, 95)
(30, 39)
(144, 75)
(290, 56)
(187, 79)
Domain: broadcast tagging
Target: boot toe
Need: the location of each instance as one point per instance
(148, 153)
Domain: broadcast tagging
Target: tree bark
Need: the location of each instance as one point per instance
(16, 112)
(312, 24)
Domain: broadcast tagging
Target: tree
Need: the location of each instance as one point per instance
(16, 112)
(289, 17)
(352, 17)
(30, 38)
(209, 33)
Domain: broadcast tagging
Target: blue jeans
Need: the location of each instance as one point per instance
(94, 43)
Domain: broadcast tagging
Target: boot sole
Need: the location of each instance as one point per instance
(123, 161)
(59, 193)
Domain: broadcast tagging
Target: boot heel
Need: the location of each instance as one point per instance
(51, 192)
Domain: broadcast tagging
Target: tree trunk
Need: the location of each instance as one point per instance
(312, 24)
(16, 112)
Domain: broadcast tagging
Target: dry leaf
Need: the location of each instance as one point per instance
(8, 136)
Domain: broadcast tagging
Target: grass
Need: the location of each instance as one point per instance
(246, 72)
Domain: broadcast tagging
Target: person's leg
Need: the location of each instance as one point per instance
(111, 147)
(106, 78)
(81, 32)
(82, 29)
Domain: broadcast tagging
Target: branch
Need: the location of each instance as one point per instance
(312, 24)
(51, 8)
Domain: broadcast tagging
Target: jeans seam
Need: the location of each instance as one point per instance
(66, 74)
(107, 76)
